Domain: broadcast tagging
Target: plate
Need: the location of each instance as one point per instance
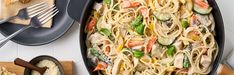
(40, 36)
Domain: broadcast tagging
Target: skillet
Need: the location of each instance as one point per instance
(82, 17)
(40, 36)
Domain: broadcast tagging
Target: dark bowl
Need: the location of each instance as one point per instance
(36, 60)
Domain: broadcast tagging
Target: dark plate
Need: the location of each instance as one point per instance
(36, 60)
(39, 36)
(220, 37)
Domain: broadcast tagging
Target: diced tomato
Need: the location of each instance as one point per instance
(144, 12)
(100, 66)
(135, 4)
(129, 4)
(91, 24)
(135, 43)
(151, 43)
(202, 4)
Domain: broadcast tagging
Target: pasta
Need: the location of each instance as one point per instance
(151, 37)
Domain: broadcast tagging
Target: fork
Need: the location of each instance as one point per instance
(35, 22)
(29, 12)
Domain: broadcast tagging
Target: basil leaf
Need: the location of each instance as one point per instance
(137, 21)
(138, 53)
(107, 2)
(96, 54)
(140, 29)
(186, 62)
(105, 31)
(170, 50)
(184, 23)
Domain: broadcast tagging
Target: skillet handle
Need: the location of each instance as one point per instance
(224, 70)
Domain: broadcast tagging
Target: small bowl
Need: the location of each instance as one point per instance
(36, 60)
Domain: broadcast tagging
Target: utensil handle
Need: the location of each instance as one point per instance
(224, 70)
(5, 40)
(26, 64)
(5, 20)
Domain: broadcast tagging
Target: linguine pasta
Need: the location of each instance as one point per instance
(151, 37)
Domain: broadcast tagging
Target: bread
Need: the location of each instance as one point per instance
(3, 71)
(8, 2)
(24, 1)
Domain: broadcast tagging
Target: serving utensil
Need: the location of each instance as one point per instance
(29, 12)
(26, 64)
(35, 22)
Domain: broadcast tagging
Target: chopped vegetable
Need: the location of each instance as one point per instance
(151, 43)
(201, 10)
(162, 16)
(135, 43)
(202, 4)
(138, 25)
(120, 44)
(140, 29)
(91, 24)
(185, 62)
(201, 7)
(99, 24)
(138, 53)
(100, 66)
(194, 35)
(129, 4)
(170, 50)
(137, 21)
(105, 31)
(107, 2)
(165, 41)
(184, 23)
(97, 54)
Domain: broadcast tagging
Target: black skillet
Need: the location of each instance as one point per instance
(40, 36)
(82, 18)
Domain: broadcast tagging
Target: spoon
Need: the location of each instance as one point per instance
(26, 64)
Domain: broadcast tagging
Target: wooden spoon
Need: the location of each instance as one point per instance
(26, 64)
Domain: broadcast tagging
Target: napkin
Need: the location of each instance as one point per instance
(7, 10)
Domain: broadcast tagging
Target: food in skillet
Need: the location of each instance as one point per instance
(151, 37)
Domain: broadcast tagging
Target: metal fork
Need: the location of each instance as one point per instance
(35, 22)
(29, 12)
